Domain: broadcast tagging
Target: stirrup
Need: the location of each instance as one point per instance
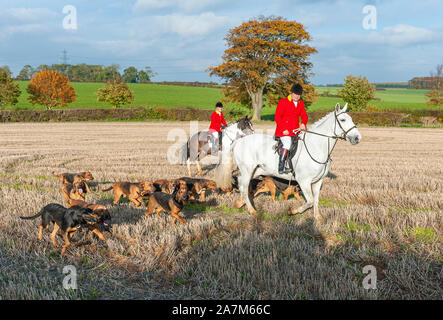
(285, 170)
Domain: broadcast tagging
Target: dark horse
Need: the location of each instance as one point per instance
(197, 147)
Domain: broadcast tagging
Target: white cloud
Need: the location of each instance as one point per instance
(182, 5)
(402, 34)
(9, 31)
(398, 36)
(26, 15)
(25, 21)
(190, 25)
(151, 4)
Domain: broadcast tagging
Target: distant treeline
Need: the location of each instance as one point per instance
(423, 82)
(379, 85)
(91, 73)
(191, 84)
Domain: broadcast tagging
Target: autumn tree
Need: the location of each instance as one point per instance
(357, 92)
(9, 91)
(436, 93)
(264, 58)
(50, 89)
(116, 92)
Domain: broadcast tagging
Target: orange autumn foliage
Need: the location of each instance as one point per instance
(51, 89)
(265, 56)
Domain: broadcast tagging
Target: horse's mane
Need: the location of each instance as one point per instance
(319, 122)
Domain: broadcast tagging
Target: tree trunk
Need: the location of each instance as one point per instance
(257, 104)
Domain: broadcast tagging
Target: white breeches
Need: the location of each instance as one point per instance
(286, 141)
(215, 135)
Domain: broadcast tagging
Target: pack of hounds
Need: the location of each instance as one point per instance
(167, 195)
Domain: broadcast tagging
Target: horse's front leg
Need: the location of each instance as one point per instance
(243, 186)
(199, 169)
(188, 165)
(316, 193)
(306, 188)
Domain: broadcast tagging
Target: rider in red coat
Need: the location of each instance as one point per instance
(215, 128)
(287, 115)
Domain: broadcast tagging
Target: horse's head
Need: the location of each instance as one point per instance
(345, 127)
(245, 126)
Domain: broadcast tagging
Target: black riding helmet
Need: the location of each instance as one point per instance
(297, 89)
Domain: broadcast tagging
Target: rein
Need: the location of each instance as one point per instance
(335, 136)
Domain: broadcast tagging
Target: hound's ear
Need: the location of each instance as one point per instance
(337, 107)
(344, 108)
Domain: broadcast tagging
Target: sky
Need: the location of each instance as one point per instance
(384, 40)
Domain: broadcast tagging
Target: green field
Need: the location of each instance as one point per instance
(391, 98)
(205, 98)
(145, 95)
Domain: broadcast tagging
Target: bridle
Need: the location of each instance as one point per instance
(345, 132)
(244, 134)
(335, 136)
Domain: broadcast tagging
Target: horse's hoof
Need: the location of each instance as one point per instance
(252, 211)
(238, 204)
(319, 219)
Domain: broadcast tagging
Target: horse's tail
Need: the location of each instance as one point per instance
(223, 172)
(183, 153)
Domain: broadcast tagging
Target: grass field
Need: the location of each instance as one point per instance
(205, 98)
(383, 208)
(391, 98)
(145, 95)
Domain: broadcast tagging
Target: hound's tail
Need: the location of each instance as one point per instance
(33, 217)
(107, 189)
(55, 175)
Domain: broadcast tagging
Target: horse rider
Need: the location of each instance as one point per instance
(218, 123)
(287, 115)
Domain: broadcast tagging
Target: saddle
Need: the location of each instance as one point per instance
(292, 151)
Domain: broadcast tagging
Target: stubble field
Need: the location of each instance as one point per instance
(383, 207)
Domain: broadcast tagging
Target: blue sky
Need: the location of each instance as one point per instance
(179, 39)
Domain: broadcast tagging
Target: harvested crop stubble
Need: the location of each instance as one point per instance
(384, 208)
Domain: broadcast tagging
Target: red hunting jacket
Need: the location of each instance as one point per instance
(217, 121)
(287, 116)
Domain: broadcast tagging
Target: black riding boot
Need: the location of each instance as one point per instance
(282, 161)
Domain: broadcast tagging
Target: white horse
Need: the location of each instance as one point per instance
(254, 156)
(198, 146)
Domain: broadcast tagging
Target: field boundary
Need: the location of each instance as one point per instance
(426, 118)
